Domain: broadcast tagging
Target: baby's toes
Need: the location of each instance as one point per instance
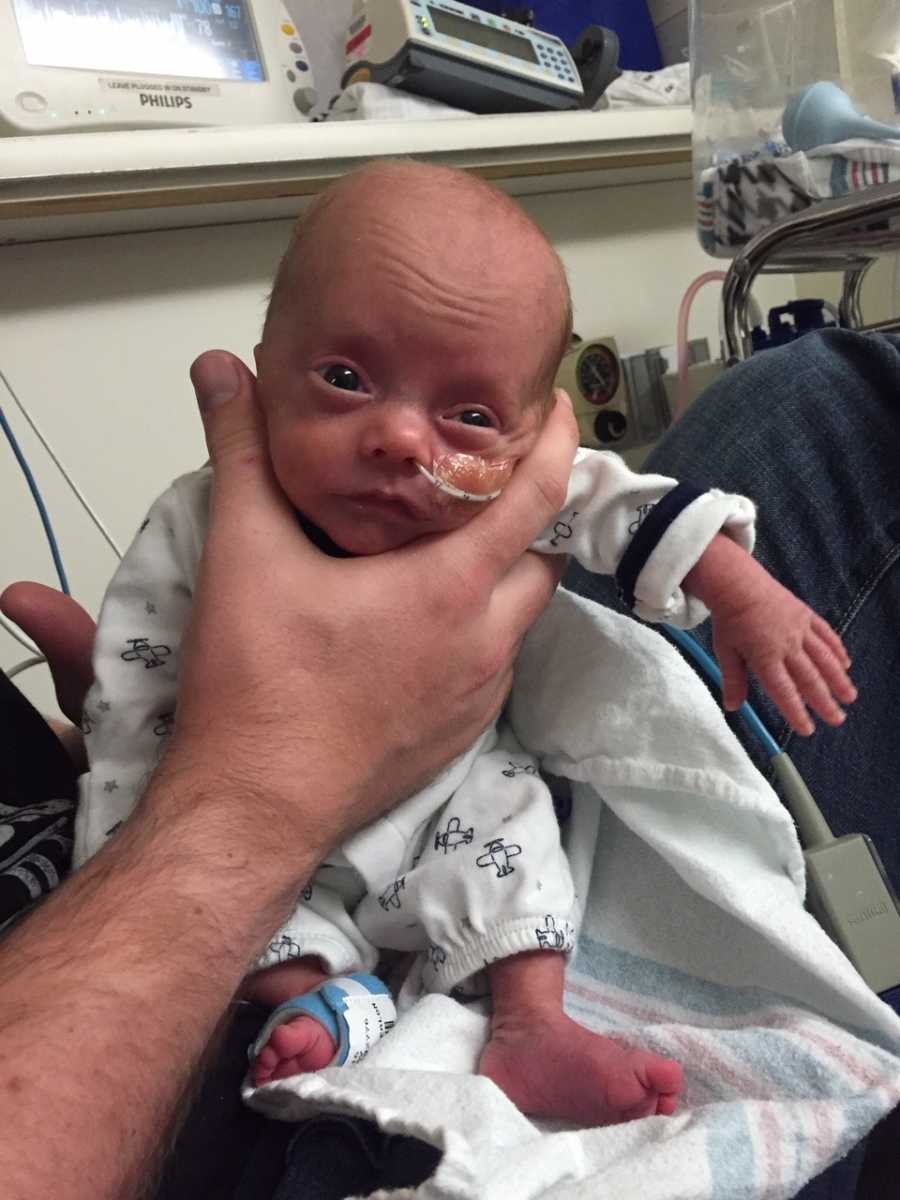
(297, 1046)
(665, 1076)
(660, 1079)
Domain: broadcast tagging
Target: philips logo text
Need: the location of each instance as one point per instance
(165, 101)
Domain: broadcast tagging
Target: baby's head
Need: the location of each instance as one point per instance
(417, 314)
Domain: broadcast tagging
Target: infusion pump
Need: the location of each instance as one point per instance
(69, 65)
(461, 55)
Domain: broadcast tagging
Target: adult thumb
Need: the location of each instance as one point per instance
(245, 495)
(226, 398)
(64, 633)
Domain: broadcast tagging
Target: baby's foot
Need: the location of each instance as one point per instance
(550, 1066)
(296, 1047)
(299, 1045)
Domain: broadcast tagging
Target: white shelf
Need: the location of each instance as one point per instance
(89, 183)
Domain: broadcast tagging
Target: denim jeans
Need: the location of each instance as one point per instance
(811, 432)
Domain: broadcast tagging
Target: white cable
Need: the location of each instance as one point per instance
(14, 632)
(62, 470)
(37, 661)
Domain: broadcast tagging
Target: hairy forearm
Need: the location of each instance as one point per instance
(112, 990)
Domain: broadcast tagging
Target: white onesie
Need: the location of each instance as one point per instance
(469, 870)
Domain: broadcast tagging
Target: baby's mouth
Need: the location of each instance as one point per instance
(393, 504)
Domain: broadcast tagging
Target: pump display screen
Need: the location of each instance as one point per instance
(483, 35)
(199, 39)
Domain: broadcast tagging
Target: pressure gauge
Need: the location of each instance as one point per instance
(597, 374)
(592, 375)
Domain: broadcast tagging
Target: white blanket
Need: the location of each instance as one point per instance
(694, 944)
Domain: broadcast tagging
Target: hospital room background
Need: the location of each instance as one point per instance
(98, 328)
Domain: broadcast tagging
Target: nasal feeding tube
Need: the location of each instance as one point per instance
(468, 476)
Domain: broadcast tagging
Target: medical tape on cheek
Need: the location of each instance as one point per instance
(468, 477)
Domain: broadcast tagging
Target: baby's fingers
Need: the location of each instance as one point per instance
(814, 689)
(734, 677)
(832, 640)
(778, 681)
(831, 666)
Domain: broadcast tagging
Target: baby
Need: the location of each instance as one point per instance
(407, 362)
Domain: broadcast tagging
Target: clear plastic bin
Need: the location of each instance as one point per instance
(748, 62)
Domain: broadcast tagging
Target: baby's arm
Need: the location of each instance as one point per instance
(130, 710)
(757, 623)
(678, 553)
(646, 530)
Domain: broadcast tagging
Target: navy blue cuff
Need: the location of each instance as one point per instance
(650, 534)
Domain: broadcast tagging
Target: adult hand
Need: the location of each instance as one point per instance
(327, 689)
(63, 632)
(315, 693)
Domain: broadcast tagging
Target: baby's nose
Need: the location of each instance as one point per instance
(399, 435)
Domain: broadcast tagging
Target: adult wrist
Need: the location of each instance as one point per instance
(232, 843)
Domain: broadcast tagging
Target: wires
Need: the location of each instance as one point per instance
(73, 487)
(36, 661)
(5, 624)
(15, 632)
(38, 500)
(684, 313)
(681, 338)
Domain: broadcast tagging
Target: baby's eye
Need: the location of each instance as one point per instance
(474, 417)
(342, 377)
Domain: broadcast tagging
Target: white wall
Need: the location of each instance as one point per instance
(97, 336)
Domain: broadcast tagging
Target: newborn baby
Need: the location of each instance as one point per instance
(407, 362)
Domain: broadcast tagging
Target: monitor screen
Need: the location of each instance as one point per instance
(199, 39)
(483, 35)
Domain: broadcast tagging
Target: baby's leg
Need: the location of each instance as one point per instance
(551, 1066)
(302, 1044)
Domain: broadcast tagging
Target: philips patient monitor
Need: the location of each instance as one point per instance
(70, 65)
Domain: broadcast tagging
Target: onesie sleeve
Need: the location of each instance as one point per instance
(646, 530)
(129, 712)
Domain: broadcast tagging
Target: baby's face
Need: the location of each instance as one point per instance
(399, 354)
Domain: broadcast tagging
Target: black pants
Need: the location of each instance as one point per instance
(37, 805)
(228, 1152)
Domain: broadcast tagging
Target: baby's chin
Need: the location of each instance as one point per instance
(371, 536)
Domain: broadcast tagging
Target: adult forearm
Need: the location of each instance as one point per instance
(112, 990)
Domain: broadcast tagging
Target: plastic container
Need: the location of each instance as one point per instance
(749, 61)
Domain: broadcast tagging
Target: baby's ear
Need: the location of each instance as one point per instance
(256, 353)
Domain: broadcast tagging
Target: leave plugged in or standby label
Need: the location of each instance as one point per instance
(158, 87)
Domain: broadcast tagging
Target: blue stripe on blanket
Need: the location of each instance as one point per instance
(652, 980)
(839, 176)
(795, 1071)
(644, 977)
(730, 1156)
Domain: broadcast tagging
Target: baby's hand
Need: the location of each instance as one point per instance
(796, 655)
